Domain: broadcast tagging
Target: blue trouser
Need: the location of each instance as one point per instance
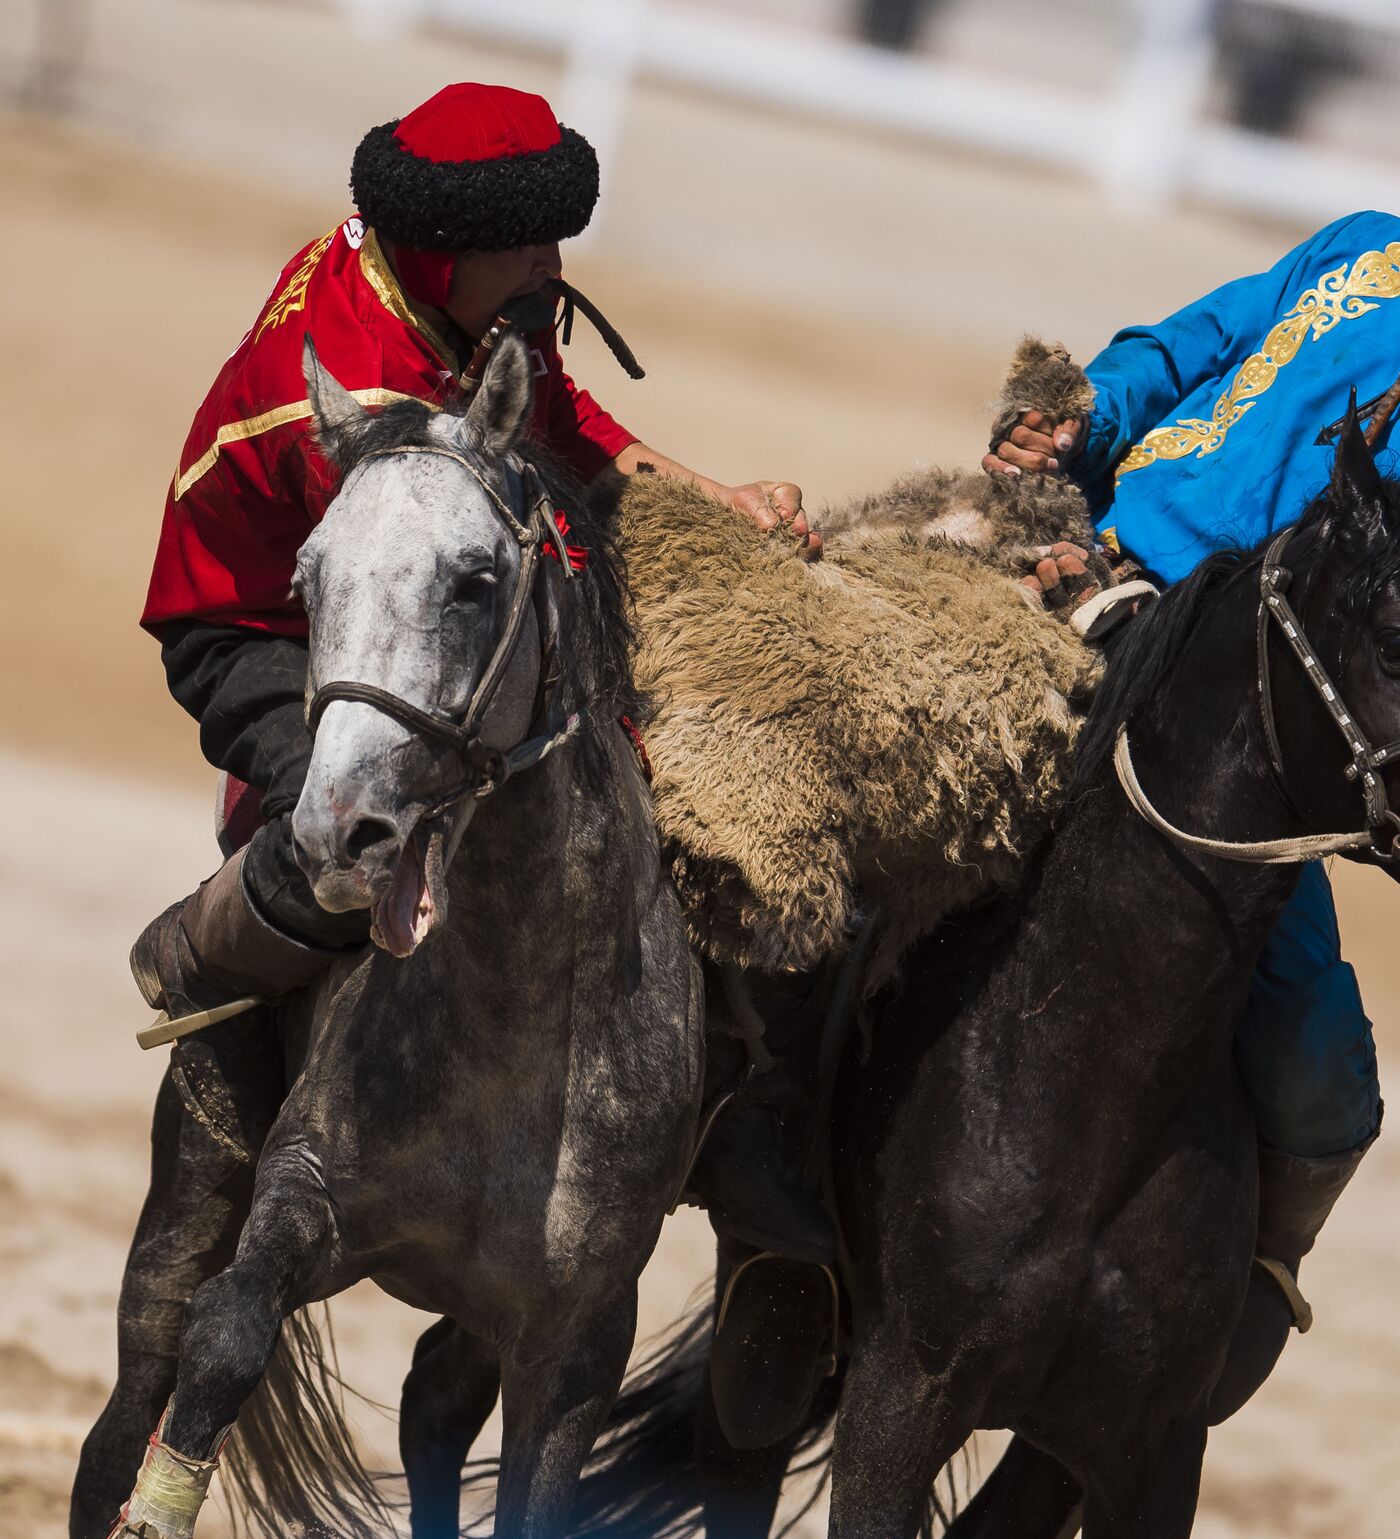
(1304, 1044)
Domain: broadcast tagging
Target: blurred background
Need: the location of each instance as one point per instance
(824, 225)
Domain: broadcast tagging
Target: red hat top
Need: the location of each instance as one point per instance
(479, 122)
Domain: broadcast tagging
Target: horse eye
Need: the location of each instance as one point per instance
(471, 587)
(1388, 645)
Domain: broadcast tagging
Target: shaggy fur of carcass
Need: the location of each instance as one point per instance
(1044, 378)
(887, 729)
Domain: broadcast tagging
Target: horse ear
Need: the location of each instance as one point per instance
(335, 412)
(1358, 491)
(500, 409)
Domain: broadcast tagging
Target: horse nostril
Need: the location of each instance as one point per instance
(367, 833)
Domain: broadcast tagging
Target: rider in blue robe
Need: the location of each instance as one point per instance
(1204, 435)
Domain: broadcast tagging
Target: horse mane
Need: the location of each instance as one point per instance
(603, 647)
(1143, 653)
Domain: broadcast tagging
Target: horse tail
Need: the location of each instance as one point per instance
(292, 1458)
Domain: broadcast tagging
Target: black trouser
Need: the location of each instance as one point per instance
(247, 692)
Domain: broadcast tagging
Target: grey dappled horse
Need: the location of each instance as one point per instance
(491, 1127)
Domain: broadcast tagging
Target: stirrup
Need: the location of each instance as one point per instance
(166, 1028)
(1288, 1285)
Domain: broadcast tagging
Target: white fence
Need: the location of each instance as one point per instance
(1146, 136)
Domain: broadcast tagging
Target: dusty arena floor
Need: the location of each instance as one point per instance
(127, 282)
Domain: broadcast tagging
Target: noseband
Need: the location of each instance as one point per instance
(1366, 762)
(487, 769)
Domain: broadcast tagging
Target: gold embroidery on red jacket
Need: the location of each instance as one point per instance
(293, 297)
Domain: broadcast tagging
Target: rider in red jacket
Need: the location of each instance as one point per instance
(461, 208)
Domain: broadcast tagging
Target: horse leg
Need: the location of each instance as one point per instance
(448, 1394)
(553, 1407)
(233, 1320)
(739, 1487)
(1147, 1488)
(896, 1428)
(231, 1327)
(1029, 1495)
(199, 1195)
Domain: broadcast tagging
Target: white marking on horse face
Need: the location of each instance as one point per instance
(407, 581)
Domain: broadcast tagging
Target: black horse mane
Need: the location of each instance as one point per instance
(605, 647)
(1144, 652)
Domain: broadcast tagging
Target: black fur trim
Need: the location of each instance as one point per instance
(474, 205)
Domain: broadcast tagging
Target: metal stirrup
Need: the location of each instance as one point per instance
(167, 1028)
(1288, 1285)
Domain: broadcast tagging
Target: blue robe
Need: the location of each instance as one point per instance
(1205, 426)
(1203, 436)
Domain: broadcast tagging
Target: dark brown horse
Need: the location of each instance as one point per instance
(1045, 1168)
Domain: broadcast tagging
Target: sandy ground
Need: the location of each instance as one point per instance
(129, 275)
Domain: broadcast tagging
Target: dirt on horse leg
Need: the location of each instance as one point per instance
(896, 1429)
(448, 1395)
(198, 1199)
(553, 1408)
(1147, 1487)
(1028, 1495)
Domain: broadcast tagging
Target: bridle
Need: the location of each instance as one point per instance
(1365, 766)
(485, 769)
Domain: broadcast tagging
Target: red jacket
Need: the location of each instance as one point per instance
(251, 482)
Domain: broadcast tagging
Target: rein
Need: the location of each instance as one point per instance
(1366, 762)
(487, 769)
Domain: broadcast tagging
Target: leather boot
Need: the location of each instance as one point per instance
(215, 949)
(1295, 1197)
(754, 1192)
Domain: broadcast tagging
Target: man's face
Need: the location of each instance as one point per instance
(482, 281)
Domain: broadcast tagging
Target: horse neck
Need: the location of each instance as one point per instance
(1137, 948)
(552, 866)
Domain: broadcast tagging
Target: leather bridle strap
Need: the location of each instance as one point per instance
(488, 768)
(1263, 852)
(1366, 762)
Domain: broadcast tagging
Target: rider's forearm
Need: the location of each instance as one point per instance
(637, 456)
(247, 692)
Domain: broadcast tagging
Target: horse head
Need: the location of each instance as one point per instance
(1338, 737)
(413, 586)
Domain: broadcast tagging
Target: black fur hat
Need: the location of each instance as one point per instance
(475, 168)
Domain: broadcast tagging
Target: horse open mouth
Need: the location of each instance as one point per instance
(416, 898)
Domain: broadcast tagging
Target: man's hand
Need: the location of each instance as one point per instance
(1065, 575)
(771, 504)
(1036, 443)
